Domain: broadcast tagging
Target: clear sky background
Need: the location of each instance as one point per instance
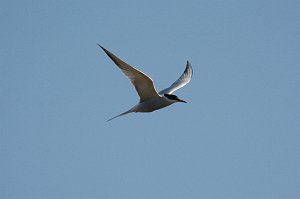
(237, 137)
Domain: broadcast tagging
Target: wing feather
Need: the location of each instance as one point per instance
(142, 83)
(184, 79)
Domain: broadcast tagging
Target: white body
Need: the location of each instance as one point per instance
(150, 100)
(152, 104)
(148, 106)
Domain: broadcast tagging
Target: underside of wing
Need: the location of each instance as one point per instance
(142, 83)
(184, 79)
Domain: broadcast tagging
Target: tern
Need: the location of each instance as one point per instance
(150, 99)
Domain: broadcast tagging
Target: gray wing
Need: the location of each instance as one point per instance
(181, 82)
(142, 83)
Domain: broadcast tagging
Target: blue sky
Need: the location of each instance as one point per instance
(237, 137)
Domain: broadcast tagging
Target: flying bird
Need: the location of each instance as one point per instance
(150, 99)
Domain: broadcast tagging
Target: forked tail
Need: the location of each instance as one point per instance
(129, 111)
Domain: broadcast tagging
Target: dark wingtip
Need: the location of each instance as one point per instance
(106, 51)
(188, 63)
(188, 67)
(101, 47)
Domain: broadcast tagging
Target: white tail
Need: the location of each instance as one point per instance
(129, 111)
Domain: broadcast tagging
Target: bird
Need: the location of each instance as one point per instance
(150, 100)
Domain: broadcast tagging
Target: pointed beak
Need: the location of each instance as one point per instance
(179, 100)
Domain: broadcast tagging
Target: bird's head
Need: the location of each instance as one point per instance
(174, 98)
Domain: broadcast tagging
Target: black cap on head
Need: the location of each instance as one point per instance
(174, 98)
(171, 97)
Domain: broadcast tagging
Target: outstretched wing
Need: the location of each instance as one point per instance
(142, 83)
(181, 82)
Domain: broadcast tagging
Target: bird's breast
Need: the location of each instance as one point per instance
(153, 104)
